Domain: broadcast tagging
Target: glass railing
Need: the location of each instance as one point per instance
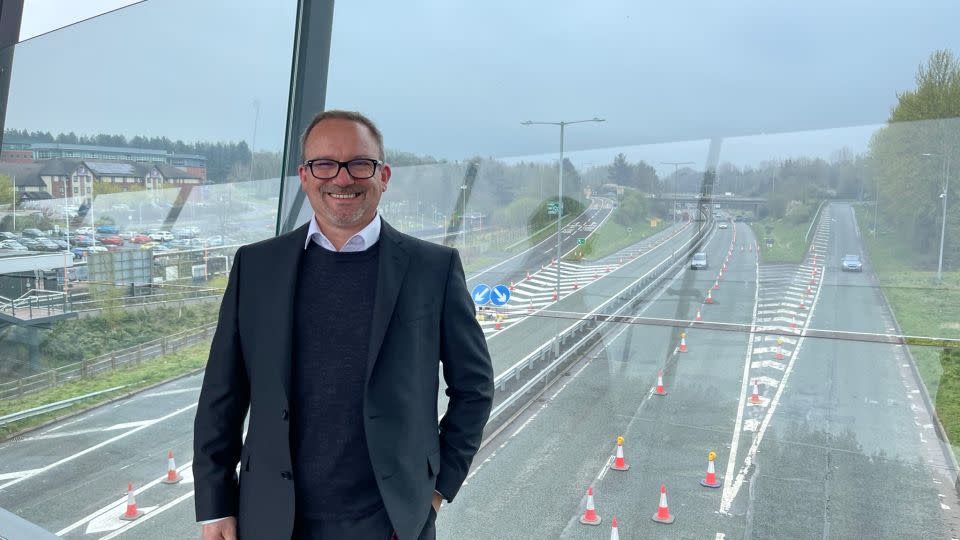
(751, 278)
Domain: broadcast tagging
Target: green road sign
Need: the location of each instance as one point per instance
(581, 241)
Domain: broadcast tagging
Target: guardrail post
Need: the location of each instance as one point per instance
(113, 361)
(53, 376)
(163, 345)
(139, 354)
(19, 387)
(83, 368)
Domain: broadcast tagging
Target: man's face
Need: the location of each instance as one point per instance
(343, 140)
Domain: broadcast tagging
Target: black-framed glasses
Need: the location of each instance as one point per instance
(358, 169)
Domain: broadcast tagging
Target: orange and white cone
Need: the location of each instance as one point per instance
(511, 286)
(590, 516)
(497, 325)
(710, 480)
(132, 513)
(528, 274)
(530, 306)
(709, 299)
(793, 321)
(614, 533)
(660, 391)
(663, 511)
(802, 305)
(698, 315)
(173, 477)
(683, 342)
(755, 397)
(575, 285)
(779, 354)
(619, 464)
(554, 296)
(716, 282)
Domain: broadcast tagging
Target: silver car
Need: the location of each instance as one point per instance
(699, 261)
(851, 263)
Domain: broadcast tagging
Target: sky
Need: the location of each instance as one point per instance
(454, 79)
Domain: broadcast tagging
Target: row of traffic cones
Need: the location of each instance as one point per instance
(663, 515)
(173, 477)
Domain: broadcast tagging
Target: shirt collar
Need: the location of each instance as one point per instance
(366, 238)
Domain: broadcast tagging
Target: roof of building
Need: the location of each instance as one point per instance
(25, 174)
(171, 172)
(58, 166)
(115, 168)
(34, 195)
(109, 149)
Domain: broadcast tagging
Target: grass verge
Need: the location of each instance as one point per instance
(923, 308)
(611, 237)
(789, 244)
(159, 370)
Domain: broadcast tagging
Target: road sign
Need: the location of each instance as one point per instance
(553, 208)
(581, 241)
(500, 295)
(481, 294)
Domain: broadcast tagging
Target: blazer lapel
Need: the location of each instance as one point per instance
(391, 270)
(286, 267)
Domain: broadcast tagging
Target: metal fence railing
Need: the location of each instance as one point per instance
(105, 363)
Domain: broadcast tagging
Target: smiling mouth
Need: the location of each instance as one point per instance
(344, 196)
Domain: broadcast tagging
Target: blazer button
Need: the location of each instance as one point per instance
(286, 475)
(284, 414)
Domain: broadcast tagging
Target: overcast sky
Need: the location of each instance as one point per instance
(455, 78)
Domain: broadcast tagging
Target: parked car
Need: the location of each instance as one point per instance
(187, 232)
(62, 244)
(33, 233)
(7, 235)
(111, 240)
(83, 241)
(220, 240)
(127, 235)
(161, 236)
(13, 245)
(46, 244)
(699, 261)
(30, 243)
(85, 230)
(107, 229)
(851, 263)
(141, 239)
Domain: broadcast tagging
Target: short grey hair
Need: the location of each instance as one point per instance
(353, 116)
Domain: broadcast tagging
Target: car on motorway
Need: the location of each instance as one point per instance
(699, 261)
(723, 225)
(851, 263)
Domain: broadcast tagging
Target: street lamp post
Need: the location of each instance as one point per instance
(943, 195)
(463, 216)
(676, 173)
(562, 125)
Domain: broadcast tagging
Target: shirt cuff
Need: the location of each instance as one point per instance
(441, 495)
(212, 520)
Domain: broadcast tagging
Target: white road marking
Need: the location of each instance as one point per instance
(94, 447)
(112, 521)
(147, 517)
(18, 474)
(171, 392)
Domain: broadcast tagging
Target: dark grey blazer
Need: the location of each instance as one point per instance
(423, 315)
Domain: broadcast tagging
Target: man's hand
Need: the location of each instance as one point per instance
(225, 529)
(437, 499)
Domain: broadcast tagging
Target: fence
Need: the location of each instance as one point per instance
(105, 363)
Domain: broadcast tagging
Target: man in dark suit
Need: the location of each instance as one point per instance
(333, 336)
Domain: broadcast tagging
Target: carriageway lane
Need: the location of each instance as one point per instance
(851, 442)
(531, 481)
(515, 342)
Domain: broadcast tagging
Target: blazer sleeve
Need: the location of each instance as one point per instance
(224, 399)
(468, 373)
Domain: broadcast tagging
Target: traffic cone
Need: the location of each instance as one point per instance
(619, 464)
(554, 296)
(511, 286)
(660, 391)
(809, 291)
(663, 511)
(683, 342)
(595, 275)
(802, 305)
(575, 285)
(530, 306)
(698, 314)
(621, 260)
(779, 355)
(606, 269)
(755, 397)
(614, 534)
(528, 274)
(709, 299)
(173, 477)
(132, 513)
(716, 283)
(711, 479)
(793, 321)
(590, 516)
(497, 326)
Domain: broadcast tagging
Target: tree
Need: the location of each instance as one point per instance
(619, 172)
(925, 120)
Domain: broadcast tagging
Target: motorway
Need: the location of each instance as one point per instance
(839, 445)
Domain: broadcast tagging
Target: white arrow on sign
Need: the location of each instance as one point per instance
(500, 296)
(110, 521)
(478, 297)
